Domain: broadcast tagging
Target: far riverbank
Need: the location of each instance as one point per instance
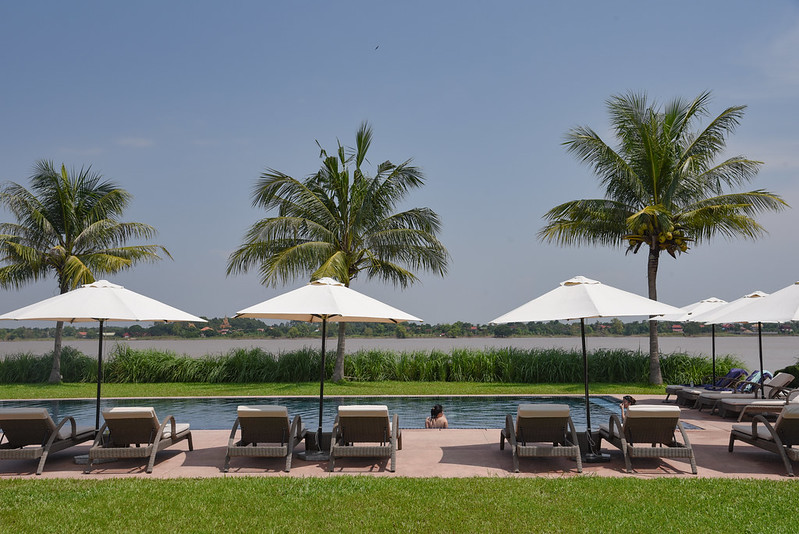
(778, 351)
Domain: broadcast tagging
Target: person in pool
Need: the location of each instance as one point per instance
(437, 418)
(626, 402)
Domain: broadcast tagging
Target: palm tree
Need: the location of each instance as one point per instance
(339, 223)
(664, 189)
(66, 225)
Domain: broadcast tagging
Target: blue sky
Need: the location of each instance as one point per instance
(184, 104)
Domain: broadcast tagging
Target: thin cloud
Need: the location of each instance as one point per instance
(89, 151)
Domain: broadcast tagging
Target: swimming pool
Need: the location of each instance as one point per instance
(217, 413)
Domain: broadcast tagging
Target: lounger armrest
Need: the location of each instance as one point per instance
(61, 423)
(510, 432)
(394, 429)
(297, 431)
(760, 419)
(615, 426)
(685, 440)
(98, 439)
(232, 440)
(573, 432)
(335, 434)
(780, 392)
(792, 395)
(170, 420)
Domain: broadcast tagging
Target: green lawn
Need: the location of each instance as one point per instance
(183, 389)
(379, 504)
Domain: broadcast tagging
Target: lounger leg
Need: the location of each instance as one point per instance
(41, 463)
(191, 443)
(151, 462)
(502, 440)
(332, 463)
(627, 462)
(288, 462)
(393, 460)
(693, 463)
(732, 441)
(579, 463)
(227, 463)
(515, 461)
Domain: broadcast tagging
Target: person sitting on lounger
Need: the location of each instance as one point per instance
(626, 402)
(437, 418)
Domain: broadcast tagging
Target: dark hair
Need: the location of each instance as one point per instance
(629, 399)
(437, 409)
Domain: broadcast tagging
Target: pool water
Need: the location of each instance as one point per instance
(218, 413)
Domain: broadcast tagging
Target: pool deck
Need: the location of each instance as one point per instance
(429, 453)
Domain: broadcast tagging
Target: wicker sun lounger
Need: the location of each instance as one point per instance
(541, 430)
(772, 388)
(30, 434)
(752, 407)
(365, 431)
(648, 432)
(689, 396)
(778, 438)
(266, 432)
(126, 426)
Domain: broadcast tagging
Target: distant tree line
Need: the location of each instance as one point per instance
(254, 328)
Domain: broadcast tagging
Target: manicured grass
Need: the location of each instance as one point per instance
(380, 504)
(192, 389)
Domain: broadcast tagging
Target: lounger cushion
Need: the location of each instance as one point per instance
(268, 410)
(364, 410)
(40, 414)
(179, 429)
(637, 411)
(130, 412)
(746, 428)
(543, 410)
(25, 413)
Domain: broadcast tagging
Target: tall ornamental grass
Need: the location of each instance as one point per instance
(253, 365)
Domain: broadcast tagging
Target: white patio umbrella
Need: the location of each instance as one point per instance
(689, 312)
(583, 298)
(100, 301)
(322, 301)
(737, 312)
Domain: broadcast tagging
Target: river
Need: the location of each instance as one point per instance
(778, 351)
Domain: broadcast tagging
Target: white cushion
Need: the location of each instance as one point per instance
(130, 412)
(267, 410)
(363, 410)
(24, 413)
(179, 427)
(639, 411)
(543, 410)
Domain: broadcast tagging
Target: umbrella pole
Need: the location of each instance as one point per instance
(760, 350)
(713, 348)
(321, 385)
(594, 455)
(585, 377)
(99, 377)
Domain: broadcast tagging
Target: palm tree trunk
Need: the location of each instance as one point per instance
(338, 370)
(55, 372)
(655, 376)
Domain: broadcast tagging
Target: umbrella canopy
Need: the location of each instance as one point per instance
(689, 312)
(323, 301)
(100, 301)
(583, 298)
(738, 311)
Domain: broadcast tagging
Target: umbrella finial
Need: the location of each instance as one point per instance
(577, 280)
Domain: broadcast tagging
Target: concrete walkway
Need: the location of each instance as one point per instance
(430, 453)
